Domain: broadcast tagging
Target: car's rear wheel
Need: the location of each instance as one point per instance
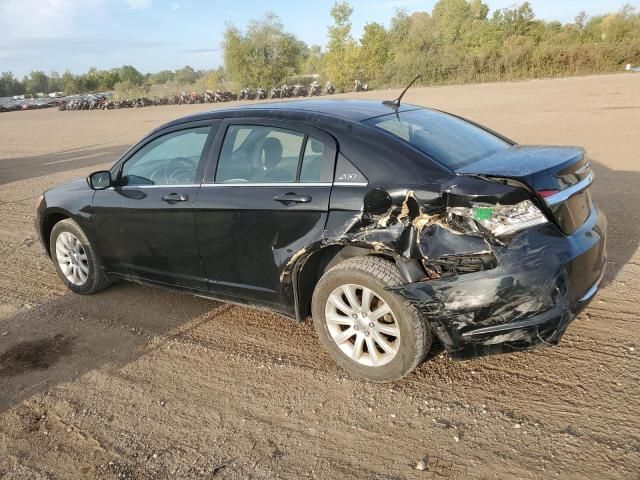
(75, 259)
(369, 331)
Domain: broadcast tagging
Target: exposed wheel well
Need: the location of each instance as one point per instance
(318, 264)
(47, 225)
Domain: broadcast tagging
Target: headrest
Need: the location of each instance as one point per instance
(272, 149)
(316, 146)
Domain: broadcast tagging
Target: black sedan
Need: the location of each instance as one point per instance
(388, 224)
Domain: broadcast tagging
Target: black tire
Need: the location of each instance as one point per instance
(376, 274)
(96, 278)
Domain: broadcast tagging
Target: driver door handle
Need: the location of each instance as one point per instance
(172, 198)
(291, 197)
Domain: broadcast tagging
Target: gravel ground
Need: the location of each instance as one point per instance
(141, 383)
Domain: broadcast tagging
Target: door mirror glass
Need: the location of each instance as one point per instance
(100, 180)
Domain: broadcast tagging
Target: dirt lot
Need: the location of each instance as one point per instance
(140, 383)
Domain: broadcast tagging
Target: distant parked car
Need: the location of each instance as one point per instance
(388, 224)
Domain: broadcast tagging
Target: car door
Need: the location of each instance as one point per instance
(263, 200)
(145, 224)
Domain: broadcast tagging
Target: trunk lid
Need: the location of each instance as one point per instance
(560, 175)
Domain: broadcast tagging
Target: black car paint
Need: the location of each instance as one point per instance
(249, 249)
(250, 220)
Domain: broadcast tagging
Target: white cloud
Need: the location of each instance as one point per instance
(42, 18)
(175, 6)
(139, 4)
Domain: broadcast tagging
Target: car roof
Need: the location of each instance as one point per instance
(345, 109)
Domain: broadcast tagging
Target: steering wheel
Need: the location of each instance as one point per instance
(178, 170)
(183, 171)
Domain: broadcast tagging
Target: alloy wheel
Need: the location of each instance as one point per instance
(72, 258)
(362, 325)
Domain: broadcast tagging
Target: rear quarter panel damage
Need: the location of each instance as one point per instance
(480, 294)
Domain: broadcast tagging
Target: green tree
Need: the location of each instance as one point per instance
(374, 52)
(264, 56)
(37, 82)
(160, 77)
(69, 83)
(55, 82)
(412, 40)
(212, 80)
(517, 20)
(110, 78)
(312, 60)
(456, 42)
(185, 75)
(451, 18)
(341, 60)
(128, 73)
(10, 85)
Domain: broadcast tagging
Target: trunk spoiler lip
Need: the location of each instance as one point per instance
(567, 193)
(525, 161)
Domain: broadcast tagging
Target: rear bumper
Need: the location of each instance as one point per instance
(542, 281)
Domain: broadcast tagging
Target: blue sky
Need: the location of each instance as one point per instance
(167, 34)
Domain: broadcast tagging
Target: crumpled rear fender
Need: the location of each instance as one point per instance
(411, 227)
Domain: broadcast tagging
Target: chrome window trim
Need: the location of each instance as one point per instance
(351, 184)
(252, 184)
(274, 184)
(564, 195)
(168, 185)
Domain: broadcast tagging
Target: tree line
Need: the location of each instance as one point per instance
(457, 42)
(120, 79)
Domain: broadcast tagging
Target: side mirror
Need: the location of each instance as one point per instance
(99, 180)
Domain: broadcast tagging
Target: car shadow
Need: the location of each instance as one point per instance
(23, 168)
(65, 338)
(616, 194)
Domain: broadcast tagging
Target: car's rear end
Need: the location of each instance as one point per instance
(559, 180)
(520, 247)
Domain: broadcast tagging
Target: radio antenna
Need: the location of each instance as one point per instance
(396, 103)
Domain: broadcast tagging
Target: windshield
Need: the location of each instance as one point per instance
(447, 139)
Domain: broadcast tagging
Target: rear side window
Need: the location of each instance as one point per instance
(265, 154)
(317, 162)
(449, 140)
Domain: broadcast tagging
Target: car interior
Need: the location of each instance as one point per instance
(250, 154)
(168, 160)
(266, 154)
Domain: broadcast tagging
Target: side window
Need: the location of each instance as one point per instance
(317, 162)
(168, 160)
(259, 154)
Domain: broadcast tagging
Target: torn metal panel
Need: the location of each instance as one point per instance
(480, 292)
(409, 224)
(537, 287)
(437, 240)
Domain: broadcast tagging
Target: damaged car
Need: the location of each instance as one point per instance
(390, 225)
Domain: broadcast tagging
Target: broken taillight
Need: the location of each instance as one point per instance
(501, 220)
(547, 193)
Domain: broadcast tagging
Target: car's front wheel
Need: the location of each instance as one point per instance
(75, 259)
(369, 331)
